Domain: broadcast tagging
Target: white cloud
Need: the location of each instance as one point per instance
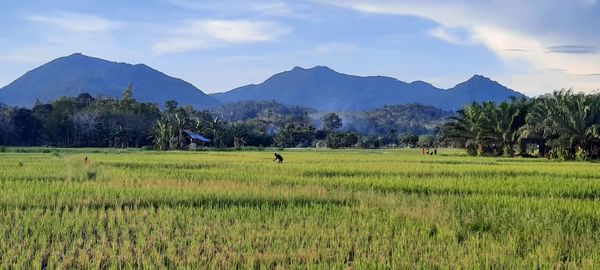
(329, 48)
(76, 22)
(454, 36)
(518, 32)
(203, 34)
(60, 33)
(300, 10)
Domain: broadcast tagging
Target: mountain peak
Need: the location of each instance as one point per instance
(78, 73)
(77, 56)
(481, 88)
(321, 68)
(324, 89)
(315, 68)
(479, 78)
(422, 84)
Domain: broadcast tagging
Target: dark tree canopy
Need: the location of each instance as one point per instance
(331, 122)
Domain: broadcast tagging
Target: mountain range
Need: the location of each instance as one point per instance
(77, 73)
(325, 89)
(319, 87)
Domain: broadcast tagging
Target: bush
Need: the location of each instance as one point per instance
(564, 154)
(2, 149)
(425, 140)
(471, 149)
(582, 154)
(508, 151)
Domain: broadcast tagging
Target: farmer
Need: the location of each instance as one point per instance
(278, 157)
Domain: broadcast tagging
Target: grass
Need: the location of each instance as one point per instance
(320, 209)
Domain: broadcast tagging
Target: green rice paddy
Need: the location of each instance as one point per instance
(320, 209)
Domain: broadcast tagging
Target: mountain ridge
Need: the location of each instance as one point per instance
(77, 73)
(335, 91)
(319, 87)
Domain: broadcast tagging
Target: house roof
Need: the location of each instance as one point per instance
(196, 136)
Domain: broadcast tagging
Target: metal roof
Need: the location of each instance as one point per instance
(196, 136)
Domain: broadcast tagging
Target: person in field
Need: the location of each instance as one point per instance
(278, 157)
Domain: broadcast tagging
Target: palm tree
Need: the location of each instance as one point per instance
(566, 123)
(576, 121)
(539, 127)
(488, 129)
(509, 117)
(464, 128)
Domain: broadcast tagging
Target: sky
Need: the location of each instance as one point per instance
(533, 46)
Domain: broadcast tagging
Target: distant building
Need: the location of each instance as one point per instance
(195, 138)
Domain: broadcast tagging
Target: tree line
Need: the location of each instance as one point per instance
(86, 121)
(562, 125)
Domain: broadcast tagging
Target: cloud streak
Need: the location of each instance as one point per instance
(76, 22)
(205, 34)
(573, 49)
(300, 10)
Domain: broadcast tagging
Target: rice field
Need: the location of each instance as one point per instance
(320, 209)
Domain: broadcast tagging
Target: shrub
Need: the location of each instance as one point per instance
(508, 151)
(582, 154)
(471, 149)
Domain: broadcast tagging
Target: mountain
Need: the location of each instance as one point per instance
(77, 73)
(325, 89)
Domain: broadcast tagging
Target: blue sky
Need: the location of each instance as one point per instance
(531, 46)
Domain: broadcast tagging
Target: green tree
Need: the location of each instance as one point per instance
(331, 122)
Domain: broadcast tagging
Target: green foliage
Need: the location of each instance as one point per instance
(404, 119)
(163, 134)
(331, 122)
(342, 139)
(508, 150)
(369, 142)
(295, 135)
(409, 139)
(426, 141)
(582, 154)
(563, 125)
(269, 112)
